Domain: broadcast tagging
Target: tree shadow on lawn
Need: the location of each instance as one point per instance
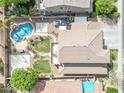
(39, 87)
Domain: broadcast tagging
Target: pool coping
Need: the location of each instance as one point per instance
(25, 37)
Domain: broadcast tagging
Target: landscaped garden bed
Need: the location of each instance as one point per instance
(41, 65)
(1, 66)
(41, 45)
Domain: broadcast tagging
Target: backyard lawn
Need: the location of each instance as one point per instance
(41, 65)
(115, 66)
(41, 45)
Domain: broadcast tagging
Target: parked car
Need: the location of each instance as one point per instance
(57, 22)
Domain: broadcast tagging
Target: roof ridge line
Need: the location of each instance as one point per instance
(95, 38)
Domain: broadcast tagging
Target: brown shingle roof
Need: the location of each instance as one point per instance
(83, 44)
(79, 35)
(85, 70)
(80, 55)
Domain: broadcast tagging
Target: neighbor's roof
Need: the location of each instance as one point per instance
(79, 3)
(59, 87)
(64, 86)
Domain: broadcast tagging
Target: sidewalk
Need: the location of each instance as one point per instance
(120, 76)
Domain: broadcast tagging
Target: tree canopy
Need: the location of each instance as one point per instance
(23, 79)
(106, 7)
(8, 2)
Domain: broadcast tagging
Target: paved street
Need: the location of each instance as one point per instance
(123, 41)
(121, 46)
(123, 26)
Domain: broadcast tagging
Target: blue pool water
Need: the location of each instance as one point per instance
(88, 86)
(21, 31)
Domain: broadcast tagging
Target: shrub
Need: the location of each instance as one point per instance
(113, 54)
(93, 14)
(1, 88)
(1, 24)
(1, 65)
(116, 14)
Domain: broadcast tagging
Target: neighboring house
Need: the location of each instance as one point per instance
(81, 50)
(66, 6)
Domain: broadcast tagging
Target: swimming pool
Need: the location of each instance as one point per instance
(88, 86)
(22, 31)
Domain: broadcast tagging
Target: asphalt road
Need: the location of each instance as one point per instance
(123, 28)
(122, 63)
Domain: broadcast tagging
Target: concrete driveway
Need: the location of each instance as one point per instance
(111, 35)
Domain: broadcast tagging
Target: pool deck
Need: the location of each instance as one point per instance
(98, 88)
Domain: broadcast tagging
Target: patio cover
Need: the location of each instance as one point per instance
(41, 27)
(19, 61)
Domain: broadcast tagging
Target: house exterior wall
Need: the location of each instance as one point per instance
(67, 9)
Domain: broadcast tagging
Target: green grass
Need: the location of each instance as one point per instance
(1, 65)
(41, 65)
(113, 54)
(111, 90)
(41, 45)
(114, 66)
